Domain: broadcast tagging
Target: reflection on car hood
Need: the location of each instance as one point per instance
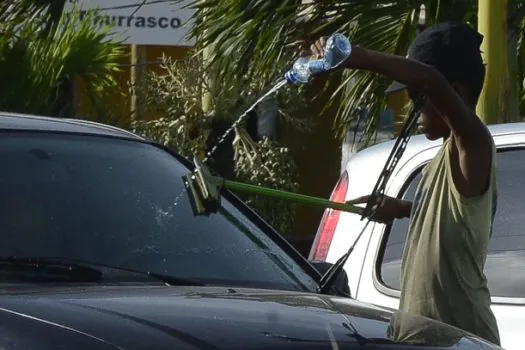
(198, 318)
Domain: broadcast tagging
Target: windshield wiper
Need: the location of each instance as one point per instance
(172, 280)
(376, 198)
(36, 269)
(78, 270)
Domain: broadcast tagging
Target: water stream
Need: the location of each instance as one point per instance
(273, 90)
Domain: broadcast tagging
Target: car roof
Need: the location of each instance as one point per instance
(419, 143)
(19, 121)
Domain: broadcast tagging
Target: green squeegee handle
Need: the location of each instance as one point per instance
(290, 196)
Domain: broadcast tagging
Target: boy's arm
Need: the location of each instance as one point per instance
(421, 77)
(391, 208)
(407, 209)
(472, 140)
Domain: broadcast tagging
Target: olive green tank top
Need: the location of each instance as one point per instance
(442, 271)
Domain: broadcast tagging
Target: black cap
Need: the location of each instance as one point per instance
(453, 48)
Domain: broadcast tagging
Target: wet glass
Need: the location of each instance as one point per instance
(122, 203)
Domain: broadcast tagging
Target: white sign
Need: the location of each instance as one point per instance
(150, 22)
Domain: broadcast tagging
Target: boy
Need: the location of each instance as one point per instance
(451, 218)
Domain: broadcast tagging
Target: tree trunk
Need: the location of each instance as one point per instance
(137, 75)
(63, 105)
(514, 106)
(494, 103)
(514, 17)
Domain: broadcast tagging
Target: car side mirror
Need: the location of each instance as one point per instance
(341, 282)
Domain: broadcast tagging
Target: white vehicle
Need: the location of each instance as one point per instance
(374, 267)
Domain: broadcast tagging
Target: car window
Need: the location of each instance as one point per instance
(396, 237)
(123, 203)
(505, 266)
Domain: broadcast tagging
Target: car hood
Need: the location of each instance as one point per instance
(204, 318)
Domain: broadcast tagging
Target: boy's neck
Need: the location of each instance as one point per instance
(447, 136)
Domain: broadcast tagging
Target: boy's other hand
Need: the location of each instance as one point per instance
(389, 209)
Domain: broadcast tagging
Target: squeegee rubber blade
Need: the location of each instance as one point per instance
(196, 202)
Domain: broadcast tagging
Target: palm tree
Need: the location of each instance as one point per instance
(42, 50)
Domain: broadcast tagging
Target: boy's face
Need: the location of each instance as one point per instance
(430, 123)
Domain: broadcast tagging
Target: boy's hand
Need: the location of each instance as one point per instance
(355, 61)
(390, 208)
(317, 48)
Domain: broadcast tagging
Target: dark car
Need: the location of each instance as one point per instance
(99, 250)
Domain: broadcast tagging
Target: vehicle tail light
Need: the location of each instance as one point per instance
(326, 230)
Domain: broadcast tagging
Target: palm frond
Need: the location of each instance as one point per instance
(387, 28)
(46, 13)
(35, 65)
(256, 40)
(247, 38)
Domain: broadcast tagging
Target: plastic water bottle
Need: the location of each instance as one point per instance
(336, 51)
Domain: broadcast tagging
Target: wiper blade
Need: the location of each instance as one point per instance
(395, 155)
(82, 270)
(328, 279)
(172, 280)
(37, 269)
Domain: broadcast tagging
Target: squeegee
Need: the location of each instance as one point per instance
(204, 190)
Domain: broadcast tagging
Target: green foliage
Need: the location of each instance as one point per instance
(258, 39)
(267, 164)
(174, 133)
(175, 95)
(15, 12)
(38, 52)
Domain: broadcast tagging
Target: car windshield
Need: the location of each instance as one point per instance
(122, 203)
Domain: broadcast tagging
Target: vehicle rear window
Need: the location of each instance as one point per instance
(123, 203)
(505, 265)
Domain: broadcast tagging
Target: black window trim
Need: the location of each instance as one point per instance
(378, 257)
(250, 214)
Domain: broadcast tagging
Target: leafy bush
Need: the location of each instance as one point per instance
(267, 164)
